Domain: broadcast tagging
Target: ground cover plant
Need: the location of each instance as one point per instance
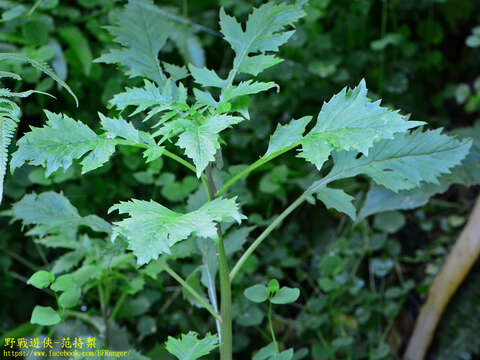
(222, 185)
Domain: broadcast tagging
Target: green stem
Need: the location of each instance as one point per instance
(226, 343)
(191, 290)
(117, 307)
(38, 2)
(265, 233)
(263, 160)
(311, 190)
(271, 327)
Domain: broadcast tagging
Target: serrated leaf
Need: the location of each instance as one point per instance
(205, 98)
(153, 153)
(404, 162)
(150, 96)
(201, 142)
(122, 129)
(175, 72)
(206, 77)
(337, 199)
(41, 279)
(190, 347)
(287, 135)
(264, 32)
(59, 142)
(350, 121)
(45, 316)
(247, 88)
(142, 33)
(51, 211)
(254, 65)
(152, 229)
(381, 199)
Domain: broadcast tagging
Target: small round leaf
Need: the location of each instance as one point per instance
(41, 279)
(286, 295)
(69, 298)
(45, 315)
(256, 293)
(64, 283)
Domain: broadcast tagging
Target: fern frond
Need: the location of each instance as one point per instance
(9, 119)
(43, 67)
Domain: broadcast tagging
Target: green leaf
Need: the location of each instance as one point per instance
(206, 77)
(119, 128)
(175, 72)
(350, 121)
(254, 65)
(201, 142)
(9, 119)
(389, 221)
(150, 96)
(337, 199)
(41, 279)
(152, 229)
(285, 295)
(59, 142)
(190, 347)
(247, 88)
(381, 199)
(269, 352)
(265, 31)
(69, 298)
(79, 46)
(14, 12)
(45, 316)
(142, 33)
(404, 162)
(256, 293)
(288, 135)
(64, 283)
(50, 211)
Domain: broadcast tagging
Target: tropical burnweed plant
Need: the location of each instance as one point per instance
(351, 136)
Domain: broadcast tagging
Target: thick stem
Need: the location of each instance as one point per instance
(225, 304)
(226, 344)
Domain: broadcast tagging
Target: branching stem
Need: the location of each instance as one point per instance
(191, 290)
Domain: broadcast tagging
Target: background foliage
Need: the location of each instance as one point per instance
(361, 284)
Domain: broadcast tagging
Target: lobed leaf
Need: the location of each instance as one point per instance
(201, 142)
(142, 33)
(190, 347)
(152, 229)
(350, 121)
(265, 31)
(403, 162)
(380, 198)
(50, 210)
